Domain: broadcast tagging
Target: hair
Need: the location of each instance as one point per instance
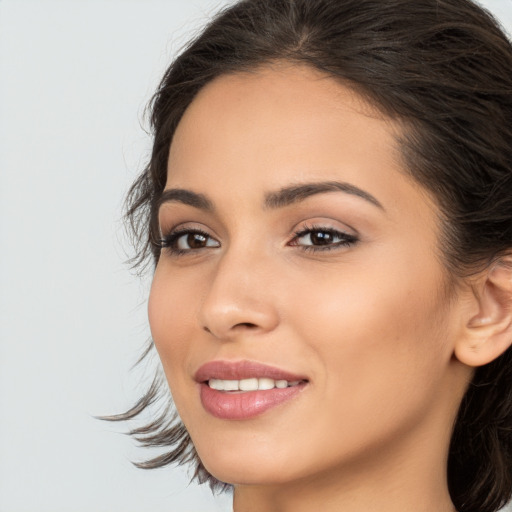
(443, 68)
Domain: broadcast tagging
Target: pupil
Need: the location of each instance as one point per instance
(321, 238)
(196, 240)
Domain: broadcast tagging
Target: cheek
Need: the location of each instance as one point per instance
(377, 306)
(171, 311)
(380, 337)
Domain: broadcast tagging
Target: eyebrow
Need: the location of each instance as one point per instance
(180, 195)
(296, 193)
(279, 199)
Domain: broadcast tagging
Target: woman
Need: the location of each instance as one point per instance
(328, 206)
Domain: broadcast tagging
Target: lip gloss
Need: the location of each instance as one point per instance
(241, 405)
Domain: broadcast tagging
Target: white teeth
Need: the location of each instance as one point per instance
(265, 384)
(248, 384)
(231, 385)
(253, 384)
(216, 384)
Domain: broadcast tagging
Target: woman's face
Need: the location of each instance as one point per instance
(298, 252)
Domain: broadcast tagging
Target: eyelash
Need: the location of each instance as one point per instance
(346, 239)
(171, 240)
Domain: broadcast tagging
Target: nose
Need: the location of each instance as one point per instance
(240, 300)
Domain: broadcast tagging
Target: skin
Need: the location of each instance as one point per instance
(373, 324)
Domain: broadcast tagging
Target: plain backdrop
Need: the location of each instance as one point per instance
(74, 79)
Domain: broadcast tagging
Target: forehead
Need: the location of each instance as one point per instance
(277, 117)
(254, 132)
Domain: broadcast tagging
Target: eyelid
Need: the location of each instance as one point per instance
(327, 224)
(346, 239)
(334, 237)
(169, 237)
(168, 226)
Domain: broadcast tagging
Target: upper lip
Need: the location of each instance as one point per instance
(237, 370)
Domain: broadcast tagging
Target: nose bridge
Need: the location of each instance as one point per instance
(238, 297)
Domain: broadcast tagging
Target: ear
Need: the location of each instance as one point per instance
(487, 330)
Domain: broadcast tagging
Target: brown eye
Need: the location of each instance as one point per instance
(193, 241)
(188, 240)
(323, 239)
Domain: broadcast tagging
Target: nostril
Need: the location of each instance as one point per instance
(246, 324)
(241, 325)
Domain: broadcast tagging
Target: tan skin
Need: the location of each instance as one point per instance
(345, 288)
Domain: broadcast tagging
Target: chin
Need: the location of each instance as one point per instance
(236, 466)
(248, 473)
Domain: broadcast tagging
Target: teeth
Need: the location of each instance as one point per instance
(253, 384)
(216, 384)
(247, 384)
(265, 384)
(231, 385)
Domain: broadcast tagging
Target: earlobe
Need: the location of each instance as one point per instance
(488, 328)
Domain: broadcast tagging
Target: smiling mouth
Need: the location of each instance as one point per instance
(242, 390)
(251, 384)
(245, 373)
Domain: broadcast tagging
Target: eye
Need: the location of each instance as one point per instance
(317, 238)
(187, 240)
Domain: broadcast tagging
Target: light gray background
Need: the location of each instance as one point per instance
(74, 78)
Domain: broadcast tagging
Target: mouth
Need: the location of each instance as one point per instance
(246, 389)
(251, 384)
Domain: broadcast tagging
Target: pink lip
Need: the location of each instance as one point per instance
(236, 370)
(244, 405)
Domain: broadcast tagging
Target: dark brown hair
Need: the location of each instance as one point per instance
(441, 67)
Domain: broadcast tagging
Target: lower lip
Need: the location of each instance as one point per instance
(244, 405)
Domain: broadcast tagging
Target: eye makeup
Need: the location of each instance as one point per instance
(186, 240)
(321, 238)
(315, 238)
